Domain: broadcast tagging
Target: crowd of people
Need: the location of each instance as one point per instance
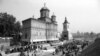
(71, 49)
(21, 49)
(25, 50)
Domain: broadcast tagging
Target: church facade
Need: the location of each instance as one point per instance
(41, 29)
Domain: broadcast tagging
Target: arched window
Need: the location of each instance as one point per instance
(65, 35)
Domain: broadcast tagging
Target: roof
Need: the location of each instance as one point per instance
(44, 8)
(42, 21)
(66, 20)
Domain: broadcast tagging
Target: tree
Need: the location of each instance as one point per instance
(17, 29)
(9, 27)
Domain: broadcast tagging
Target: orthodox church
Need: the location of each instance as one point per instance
(42, 29)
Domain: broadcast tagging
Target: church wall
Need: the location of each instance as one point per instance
(26, 30)
(27, 23)
(35, 30)
(38, 24)
(51, 32)
(38, 34)
(38, 31)
(26, 34)
(54, 32)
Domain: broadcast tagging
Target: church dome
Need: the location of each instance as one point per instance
(44, 8)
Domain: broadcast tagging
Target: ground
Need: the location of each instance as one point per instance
(93, 49)
(48, 52)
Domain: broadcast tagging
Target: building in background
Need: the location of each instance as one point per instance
(87, 36)
(43, 29)
(5, 42)
(66, 35)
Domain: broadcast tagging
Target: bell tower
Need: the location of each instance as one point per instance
(65, 25)
(65, 32)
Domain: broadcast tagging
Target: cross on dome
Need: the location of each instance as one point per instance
(44, 4)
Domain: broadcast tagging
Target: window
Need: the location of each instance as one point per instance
(26, 36)
(65, 35)
(40, 33)
(37, 34)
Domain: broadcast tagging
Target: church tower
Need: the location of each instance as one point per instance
(65, 32)
(65, 25)
(53, 18)
(44, 14)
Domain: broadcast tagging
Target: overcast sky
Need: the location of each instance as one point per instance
(83, 15)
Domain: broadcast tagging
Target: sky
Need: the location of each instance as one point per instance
(83, 15)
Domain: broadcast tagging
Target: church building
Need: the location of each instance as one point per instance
(42, 29)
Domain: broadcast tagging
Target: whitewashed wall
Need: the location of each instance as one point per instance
(38, 31)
